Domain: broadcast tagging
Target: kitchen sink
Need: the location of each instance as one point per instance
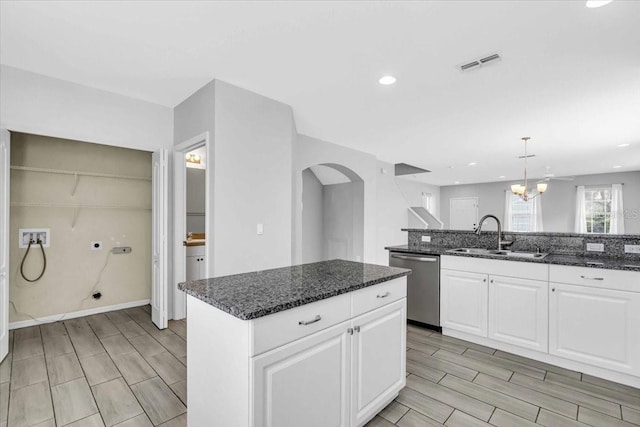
(497, 253)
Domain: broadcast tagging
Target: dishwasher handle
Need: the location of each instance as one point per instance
(414, 258)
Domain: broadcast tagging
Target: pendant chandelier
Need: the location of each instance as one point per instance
(521, 189)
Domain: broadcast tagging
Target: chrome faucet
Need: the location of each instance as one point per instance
(479, 229)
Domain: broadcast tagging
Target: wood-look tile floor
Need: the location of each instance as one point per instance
(460, 384)
(111, 369)
(118, 369)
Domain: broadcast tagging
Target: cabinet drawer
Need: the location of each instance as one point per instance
(595, 277)
(272, 331)
(375, 296)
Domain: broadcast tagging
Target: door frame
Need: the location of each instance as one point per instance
(180, 217)
(5, 170)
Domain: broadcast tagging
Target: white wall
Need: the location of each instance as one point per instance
(343, 217)
(250, 163)
(252, 181)
(312, 214)
(310, 151)
(395, 196)
(33, 103)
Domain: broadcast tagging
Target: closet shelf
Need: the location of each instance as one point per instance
(77, 207)
(77, 174)
(80, 173)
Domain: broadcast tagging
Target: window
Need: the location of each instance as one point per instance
(597, 208)
(520, 215)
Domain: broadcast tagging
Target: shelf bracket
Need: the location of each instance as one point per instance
(75, 184)
(74, 218)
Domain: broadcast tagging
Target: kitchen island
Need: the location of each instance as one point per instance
(319, 344)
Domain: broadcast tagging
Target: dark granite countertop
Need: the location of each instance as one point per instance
(557, 259)
(252, 295)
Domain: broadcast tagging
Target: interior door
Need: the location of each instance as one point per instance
(463, 213)
(159, 286)
(5, 159)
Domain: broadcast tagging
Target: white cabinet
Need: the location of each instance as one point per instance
(340, 376)
(195, 265)
(335, 362)
(304, 383)
(595, 326)
(518, 311)
(500, 300)
(463, 301)
(378, 360)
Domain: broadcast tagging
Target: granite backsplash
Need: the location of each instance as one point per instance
(555, 243)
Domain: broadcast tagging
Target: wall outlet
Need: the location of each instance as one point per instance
(121, 250)
(632, 249)
(96, 245)
(426, 239)
(260, 229)
(595, 247)
(25, 235)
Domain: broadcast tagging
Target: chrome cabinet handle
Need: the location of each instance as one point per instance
(350, 331)
(553, 289)
(484, 280)
(386, 294)
(414, 258)
(308, 322)
(591, 278)
(357, 329)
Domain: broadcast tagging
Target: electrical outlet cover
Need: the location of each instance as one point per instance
(595, 247)
(632, 249)
(426, 239)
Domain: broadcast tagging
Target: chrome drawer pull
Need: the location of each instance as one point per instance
(308, 322)
(592, 278)
(386, 294)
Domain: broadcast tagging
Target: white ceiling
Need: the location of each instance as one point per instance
(569, 77)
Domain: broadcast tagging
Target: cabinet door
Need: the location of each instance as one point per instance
(518, 312)
(596, 326)
(304, 383)
(378, 359)
(193, 268)
(463, 301)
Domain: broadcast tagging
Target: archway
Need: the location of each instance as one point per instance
(332, 213)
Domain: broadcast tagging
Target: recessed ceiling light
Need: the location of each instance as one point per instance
(472, 163)
(617, 167)
(502, 177)
(456, 182)
(623, 145)
(592, 4)
(387, 80)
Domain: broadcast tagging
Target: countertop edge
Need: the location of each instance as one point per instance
(265, 311)
(551, 259)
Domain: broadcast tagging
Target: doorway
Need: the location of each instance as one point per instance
(192, 178)
(332, 214)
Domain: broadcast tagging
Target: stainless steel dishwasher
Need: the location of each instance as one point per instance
(423, 286)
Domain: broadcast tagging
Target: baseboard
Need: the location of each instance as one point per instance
(82, 313)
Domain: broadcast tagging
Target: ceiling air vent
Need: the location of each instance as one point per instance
(477, 63)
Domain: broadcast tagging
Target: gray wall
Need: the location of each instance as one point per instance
(558, 203)
(312, 222)
(250, 162)
(196, 187)
(343, 217)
